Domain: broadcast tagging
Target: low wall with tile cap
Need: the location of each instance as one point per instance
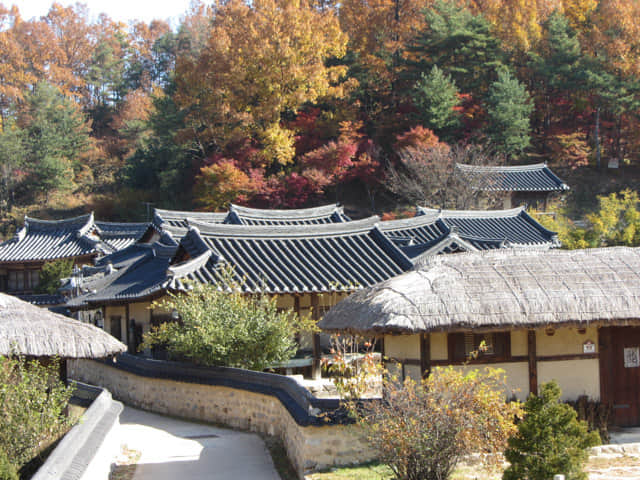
(87, 450)
(312, 430)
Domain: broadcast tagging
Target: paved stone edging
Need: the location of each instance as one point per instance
(71, 459)
(616, 449)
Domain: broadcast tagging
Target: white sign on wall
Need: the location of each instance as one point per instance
(632, 357)
(589, 347)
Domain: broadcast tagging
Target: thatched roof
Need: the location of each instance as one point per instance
(29, 330)
(498, 290)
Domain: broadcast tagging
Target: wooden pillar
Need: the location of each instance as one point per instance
(425, 354)
(533, 362)
(126, 335)
(316, 371)
(296, 309)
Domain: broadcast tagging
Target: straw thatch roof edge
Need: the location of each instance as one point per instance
(499, 290)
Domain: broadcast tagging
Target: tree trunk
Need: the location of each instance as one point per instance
(597, 135)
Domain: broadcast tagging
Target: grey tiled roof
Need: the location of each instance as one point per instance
(142, 276)
(239, 215)
(525, 178)
(48, 240)
(514, 226)
(120, 235)
(42, 240)
(301, 216)
(293, 259)
(178, 218)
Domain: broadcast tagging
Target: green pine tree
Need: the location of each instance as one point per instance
(460, 43)
(436, 95)
(508, 109)
(52, 273)
(56, 134)
(550, 440)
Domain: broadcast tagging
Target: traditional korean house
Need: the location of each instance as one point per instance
(39, 241)
(522, 184)
(569, 316)
(308, 268)
(432, 232)
(239, 215)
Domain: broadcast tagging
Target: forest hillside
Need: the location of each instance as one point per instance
(294, 103)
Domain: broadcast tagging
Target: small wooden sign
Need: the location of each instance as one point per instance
(589, 347)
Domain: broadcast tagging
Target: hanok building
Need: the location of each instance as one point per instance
(523, 184)
(238, 215)
(569, 316)
(308, 259)
(433, 232)
(306, 267)
(81, 239)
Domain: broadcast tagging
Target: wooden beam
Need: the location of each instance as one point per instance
(126, 340)
(316, 371)
(533, 362)
(425, 354)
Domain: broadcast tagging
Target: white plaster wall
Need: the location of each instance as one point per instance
(564, 341)
(575, 377)
(402, 346)
(516, 377)
(439, 350)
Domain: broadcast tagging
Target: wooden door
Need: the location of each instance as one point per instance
(620, 373)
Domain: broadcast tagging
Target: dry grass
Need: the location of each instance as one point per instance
(616, 467)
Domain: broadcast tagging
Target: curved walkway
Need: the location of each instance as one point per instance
(166, 448)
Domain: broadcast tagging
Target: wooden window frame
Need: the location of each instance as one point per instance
(454, 339)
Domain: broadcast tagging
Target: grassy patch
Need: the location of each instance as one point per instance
(376, 471)
(280, 458)
(372, 471)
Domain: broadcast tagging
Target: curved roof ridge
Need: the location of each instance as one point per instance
(500, 168)
(185, 268)
(320, 211)
(162, 214)
(510, 212)
(79, 222)
(285, 231)
(424, 218)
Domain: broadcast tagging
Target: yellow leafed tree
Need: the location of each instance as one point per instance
(260, 61)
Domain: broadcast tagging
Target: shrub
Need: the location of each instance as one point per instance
(227, 328)
(52, 273)
(33, 403)
(8, 471)
(423, 430)
(550, 440)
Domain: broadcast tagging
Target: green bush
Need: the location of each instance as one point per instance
(8, 471)
(219, 327)
(33, 402)
(52, 273)
(550, 440)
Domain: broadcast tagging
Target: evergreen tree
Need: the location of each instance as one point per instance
(556, 67)
(162, 164)
(460, 43)
(52, 273)
(11, 159)
(550, 440)
(508, 109)
(55, 136)
(436, 95)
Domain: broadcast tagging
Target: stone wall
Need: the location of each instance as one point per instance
(309, 444)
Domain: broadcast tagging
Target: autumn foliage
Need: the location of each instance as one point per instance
(289, 103)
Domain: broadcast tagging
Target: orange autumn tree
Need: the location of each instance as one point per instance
(261, 59)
